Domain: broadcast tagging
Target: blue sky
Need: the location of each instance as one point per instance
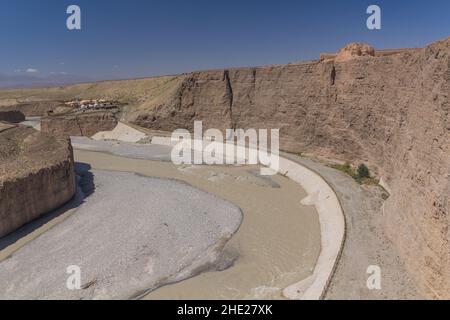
(136, 38)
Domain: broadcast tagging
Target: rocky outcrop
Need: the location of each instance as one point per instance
(390, 111)
(352, 51)
(38, 108)
(80, 123)
(355, 50)
(13, 116)
(36, 175)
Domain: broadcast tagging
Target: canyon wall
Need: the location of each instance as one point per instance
(79, 124)
(38, 108)
(390, 111)
(30, 109)
(36, 175)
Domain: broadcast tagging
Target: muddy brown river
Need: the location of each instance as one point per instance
(277, 244)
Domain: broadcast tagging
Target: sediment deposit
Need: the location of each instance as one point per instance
(133, 234)
(36, 175)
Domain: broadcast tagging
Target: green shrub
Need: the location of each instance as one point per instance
(346, 168)
(362, 172)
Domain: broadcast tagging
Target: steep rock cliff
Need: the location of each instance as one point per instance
(390, 111)
(36, 175)
(79, 123)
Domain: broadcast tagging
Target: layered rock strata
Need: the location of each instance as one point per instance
(390, 111)
(79, 123)
(36, 175)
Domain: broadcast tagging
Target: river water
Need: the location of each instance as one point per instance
(277, 244)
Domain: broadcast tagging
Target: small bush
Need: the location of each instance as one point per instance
(362, 172)
(346, 168)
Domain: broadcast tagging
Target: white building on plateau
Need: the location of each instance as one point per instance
(91, 104)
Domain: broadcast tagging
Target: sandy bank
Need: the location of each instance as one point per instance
(123, 149)
(121, 132)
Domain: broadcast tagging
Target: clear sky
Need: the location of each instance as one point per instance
(136, 38)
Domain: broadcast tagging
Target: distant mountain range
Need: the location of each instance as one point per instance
(22, 80)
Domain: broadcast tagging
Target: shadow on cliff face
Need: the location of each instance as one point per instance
(85, 187)
(85, 178)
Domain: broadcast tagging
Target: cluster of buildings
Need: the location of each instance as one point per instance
(91, 104)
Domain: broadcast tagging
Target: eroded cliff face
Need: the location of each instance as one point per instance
(36, 175)
(390, 111)
(79, 124)
(38, 108)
